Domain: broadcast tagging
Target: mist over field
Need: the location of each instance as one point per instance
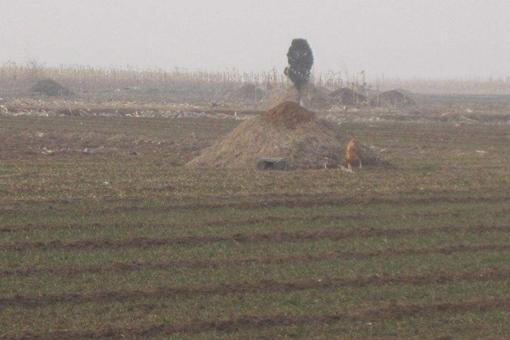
(395, 38)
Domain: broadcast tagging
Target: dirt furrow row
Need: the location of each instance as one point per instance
(315, 201)
(270, 237)
(249, 221)
(389, 311)
(213, 223)
(256, 287)
(121, 267)
(264, 201)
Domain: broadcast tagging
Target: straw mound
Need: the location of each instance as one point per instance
(288, 114)
(287, 131)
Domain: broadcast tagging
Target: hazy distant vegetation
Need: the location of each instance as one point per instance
(16, 80)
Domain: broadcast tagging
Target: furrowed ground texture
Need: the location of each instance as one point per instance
(105, 234)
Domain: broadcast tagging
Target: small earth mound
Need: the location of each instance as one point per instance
(393, 98)
(51, 88)
(347, 96)
(287, 131)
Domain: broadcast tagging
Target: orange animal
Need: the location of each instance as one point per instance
(352, 155)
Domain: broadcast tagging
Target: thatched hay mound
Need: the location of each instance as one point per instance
(347, 96)
(51, 88)
(287, 131)
(394, 98)
(288, 114)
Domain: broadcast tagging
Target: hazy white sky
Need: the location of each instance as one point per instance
(405, 38)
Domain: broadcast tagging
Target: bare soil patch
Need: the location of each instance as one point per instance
(265, 286)
(120, 267)
(394, 309)
(271, 237)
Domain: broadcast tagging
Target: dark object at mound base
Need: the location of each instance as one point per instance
(272, 164)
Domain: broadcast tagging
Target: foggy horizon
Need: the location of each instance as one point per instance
(397, 39)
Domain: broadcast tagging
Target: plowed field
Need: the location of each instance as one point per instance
(105, 234)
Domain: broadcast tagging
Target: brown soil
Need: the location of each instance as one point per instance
(272, 237)
(308, 201)
(394, 309)
(269, 219)
(258, 202)
(199, 264)
(259, 286)
(286, 131)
